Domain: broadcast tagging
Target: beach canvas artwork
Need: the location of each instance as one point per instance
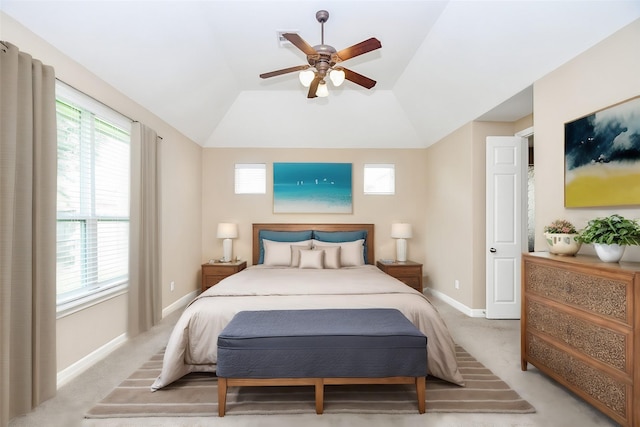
(602, 157)
(312, 188)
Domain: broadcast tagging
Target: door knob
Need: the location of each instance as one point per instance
(492, 250)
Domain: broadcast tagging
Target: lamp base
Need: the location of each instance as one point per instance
(227, 250)
(401, 250)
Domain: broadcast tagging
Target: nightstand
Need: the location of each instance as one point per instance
(213, 273)
(408, 272)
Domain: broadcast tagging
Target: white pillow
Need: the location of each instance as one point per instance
(351, 253)
(279, 253)
(331, 255)
(295, 253)
(310, 258)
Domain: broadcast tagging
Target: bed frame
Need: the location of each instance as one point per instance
(318, 227)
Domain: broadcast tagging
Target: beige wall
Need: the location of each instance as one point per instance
(220, 204)
(87, 330)
(604, 75)
(455, 218)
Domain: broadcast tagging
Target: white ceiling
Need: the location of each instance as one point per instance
(195, 64)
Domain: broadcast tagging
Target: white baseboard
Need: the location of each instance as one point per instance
(179, 304)
(83, 364)
(471, 312)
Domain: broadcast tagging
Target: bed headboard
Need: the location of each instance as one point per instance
(317, 227)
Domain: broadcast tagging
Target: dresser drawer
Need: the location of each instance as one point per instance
(608, 346)
(602, 296)
(610, 394)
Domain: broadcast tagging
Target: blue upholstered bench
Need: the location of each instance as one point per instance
(318, 347)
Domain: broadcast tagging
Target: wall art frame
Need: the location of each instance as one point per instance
(313, 188)
(602, 157)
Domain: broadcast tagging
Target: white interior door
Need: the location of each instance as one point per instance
(506, 199)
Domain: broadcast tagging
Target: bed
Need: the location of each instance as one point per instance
(287, 273)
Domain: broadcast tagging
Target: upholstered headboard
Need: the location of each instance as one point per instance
(369, 228)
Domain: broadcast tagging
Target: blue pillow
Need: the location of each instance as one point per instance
(342, 236)
(281, 236)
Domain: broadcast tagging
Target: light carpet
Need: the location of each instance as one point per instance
(196, 395)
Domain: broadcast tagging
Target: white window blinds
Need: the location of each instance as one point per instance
(250, 178)
(379, 179)
(93, 196)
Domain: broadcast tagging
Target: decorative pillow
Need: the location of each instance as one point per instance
(351, 253)
(280, 236)
(295, 253)
(331, 255)
(342, 236)
(310, 258)
(279, 253)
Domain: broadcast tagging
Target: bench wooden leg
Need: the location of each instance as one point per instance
(421, 391)
(222, 396)
(319, 385)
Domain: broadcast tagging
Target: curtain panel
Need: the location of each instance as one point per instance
(145, 296)
(28, 170)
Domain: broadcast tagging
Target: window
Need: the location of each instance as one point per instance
(379, 179)
(251, 178)
(93, 198)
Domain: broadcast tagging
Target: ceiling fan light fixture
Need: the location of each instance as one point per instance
(306, 77)
(337, 76)
(322, 91)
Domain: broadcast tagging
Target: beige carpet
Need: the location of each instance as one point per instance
(197, 394)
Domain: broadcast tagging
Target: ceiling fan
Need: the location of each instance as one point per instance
(322, 62)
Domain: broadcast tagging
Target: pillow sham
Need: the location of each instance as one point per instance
(343, 236)
(295, 253)
(311, 258)
(278, 254)
(331, 255)
(280, 236)
(351, 253)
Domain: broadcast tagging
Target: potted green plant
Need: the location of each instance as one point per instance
(610, 236)
(560, 236)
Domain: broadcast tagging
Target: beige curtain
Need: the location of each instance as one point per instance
(28, 165)
(145, 290)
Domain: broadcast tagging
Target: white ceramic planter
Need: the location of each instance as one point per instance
(609, 253)
(562, 244)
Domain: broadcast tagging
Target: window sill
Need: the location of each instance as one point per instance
(83, 303)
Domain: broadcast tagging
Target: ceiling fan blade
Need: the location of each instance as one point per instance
(358, 79)
(360, 48)
(284, 71)
(313, 88)
(300, 43)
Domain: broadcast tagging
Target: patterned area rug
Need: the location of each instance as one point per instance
(196, 395)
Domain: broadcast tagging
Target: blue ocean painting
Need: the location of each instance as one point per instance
(312, 188)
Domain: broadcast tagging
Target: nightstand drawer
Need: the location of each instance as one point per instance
(214, 273)
(408, 272)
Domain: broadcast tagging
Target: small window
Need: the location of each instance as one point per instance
(379, 179)
(251, 178)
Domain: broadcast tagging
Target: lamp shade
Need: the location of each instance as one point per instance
(337, 76)
(306, 77)
(227, 230)
(322, 90)
(401, 230)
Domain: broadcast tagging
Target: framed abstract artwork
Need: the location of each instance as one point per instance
(602, 157)
(312, 188)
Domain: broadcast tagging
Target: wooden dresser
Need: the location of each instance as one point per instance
(581, 326)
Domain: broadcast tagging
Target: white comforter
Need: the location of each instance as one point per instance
(192, 346)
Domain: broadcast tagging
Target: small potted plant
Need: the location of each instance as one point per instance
(561, 238)
(610, 236)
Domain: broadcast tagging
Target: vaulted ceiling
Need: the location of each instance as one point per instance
(442, 64)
